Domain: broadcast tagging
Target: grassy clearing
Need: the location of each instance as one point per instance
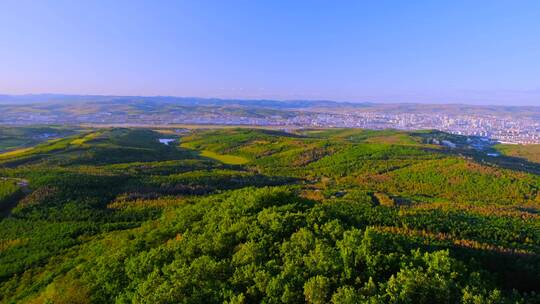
(528, 152)
(187, 145)
(84, 139)
(13, 153)
(397, 139)
(224, 158)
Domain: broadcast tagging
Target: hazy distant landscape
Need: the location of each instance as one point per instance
(502, 123)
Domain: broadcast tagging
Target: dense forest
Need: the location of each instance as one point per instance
(233, 215)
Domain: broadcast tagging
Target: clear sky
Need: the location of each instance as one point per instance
(483, 52)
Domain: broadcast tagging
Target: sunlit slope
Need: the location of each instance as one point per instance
(395, 162)
(97, 147)
(528, 152)
(13, 138)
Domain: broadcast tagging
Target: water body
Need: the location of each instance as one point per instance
(166, 141)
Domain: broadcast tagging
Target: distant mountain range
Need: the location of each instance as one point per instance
(310, 105)
(184, 101)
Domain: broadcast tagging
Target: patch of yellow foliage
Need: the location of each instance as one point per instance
(225, 158)
(5, 244)
(84, 139)
(15, 152)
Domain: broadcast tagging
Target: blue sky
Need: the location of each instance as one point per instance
(482, 52)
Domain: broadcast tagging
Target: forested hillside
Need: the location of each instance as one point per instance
(265, 216)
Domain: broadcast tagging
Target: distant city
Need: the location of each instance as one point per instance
(504, 124)
(502, 129)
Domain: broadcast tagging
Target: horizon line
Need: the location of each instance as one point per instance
(270, 99)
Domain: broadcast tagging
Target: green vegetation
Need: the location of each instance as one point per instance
(529, 152)
(260, 216)
(12, 138)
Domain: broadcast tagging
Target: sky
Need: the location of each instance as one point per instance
(477, 52)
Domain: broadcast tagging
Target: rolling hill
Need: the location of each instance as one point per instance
(242, 215)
